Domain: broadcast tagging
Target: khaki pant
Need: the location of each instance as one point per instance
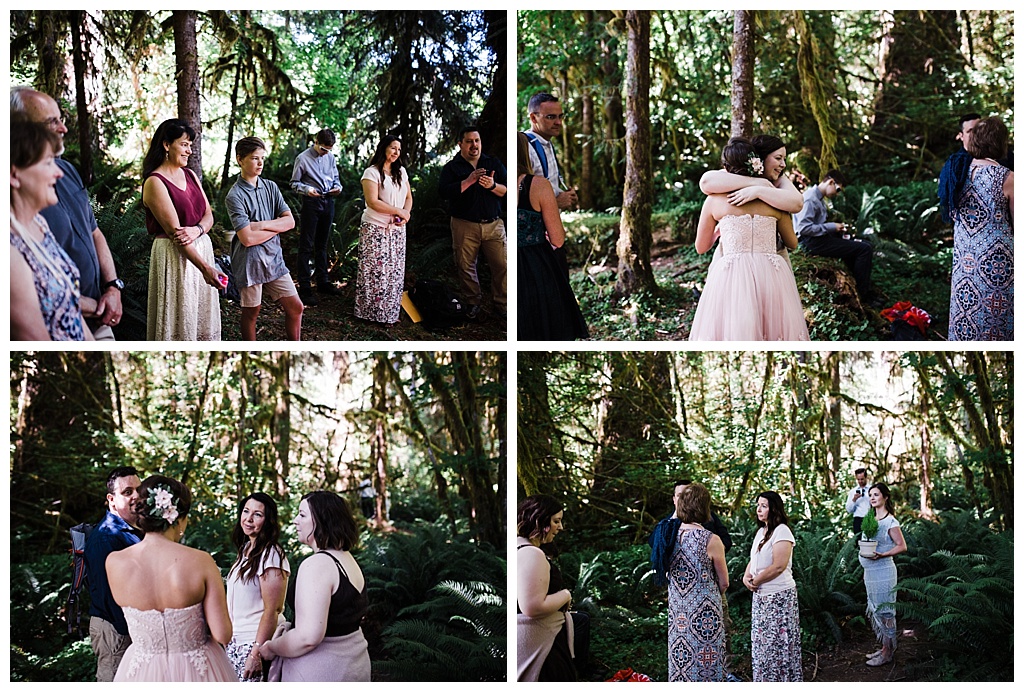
(469, 239)
(109, 647)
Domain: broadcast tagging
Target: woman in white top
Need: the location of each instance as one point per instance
(257, 583)
(380, 277)
(775, 614)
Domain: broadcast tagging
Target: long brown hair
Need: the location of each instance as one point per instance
(267, 542)
(776, 515)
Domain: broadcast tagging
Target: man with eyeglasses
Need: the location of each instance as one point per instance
(831, 239)
(545, 124)
(315, 177)
(74, 225)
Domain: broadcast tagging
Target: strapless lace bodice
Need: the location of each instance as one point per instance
(173, 631)
(747, 233)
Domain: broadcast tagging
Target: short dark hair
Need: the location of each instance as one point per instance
(837, 176)
(248, 145)
(736, 156)
(685, 481)
(326, 137)
(989, 139)
(766, 144)
(537, 99)
(860, 471)
(150, 519)
(534, 515)
(468, 128)
(966, 118)
(119, 472)
(523, 166)
(333, 524)
(693, 506)
(30, 142)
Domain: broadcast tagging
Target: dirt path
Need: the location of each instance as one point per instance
(847, 664)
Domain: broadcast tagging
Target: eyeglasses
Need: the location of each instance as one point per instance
(554, 116)
(322, 149)
(57, 120)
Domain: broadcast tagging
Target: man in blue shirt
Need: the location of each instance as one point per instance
(108, 631)
(74, 226)
(315, 177)
(474, 184)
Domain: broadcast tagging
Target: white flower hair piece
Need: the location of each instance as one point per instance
(755, 165)
(161, 503)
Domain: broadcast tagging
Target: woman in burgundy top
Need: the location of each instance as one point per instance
(184, 282)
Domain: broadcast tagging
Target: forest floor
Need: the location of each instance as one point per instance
(830, 304)
(848, 663)
(332, 320)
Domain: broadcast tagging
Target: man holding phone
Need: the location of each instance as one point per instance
(857, 500)
(474, 184)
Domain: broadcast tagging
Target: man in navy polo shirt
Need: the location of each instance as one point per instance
(74, 226)
(108, 631)
(474, 184)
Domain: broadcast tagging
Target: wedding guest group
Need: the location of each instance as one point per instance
(688, 555)
(200, 627)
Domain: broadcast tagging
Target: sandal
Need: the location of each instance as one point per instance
(879, 661)
(874, 653)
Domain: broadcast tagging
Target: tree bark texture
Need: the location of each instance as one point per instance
(186, 68)
(742, 100)
(634, 243)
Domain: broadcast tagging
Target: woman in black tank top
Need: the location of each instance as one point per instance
(329, 599)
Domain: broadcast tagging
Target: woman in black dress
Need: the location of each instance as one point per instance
(543, 626)
(547, 308)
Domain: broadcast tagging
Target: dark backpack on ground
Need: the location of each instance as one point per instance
(79, 535)
(231, 290)
(438, 306)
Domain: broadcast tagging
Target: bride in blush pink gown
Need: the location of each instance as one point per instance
(750, 293)
(172, 595)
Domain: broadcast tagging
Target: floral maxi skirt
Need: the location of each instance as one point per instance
(775, 637)
(380, 277)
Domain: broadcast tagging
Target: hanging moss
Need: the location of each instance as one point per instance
(815, 88)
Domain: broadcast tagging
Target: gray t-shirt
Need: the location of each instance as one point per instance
(262, 263)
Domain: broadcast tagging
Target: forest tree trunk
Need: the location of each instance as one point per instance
(186, 67)
(634, 243)
(79, 51)
(743, 73)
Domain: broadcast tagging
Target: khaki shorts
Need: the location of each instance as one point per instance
(252, 296)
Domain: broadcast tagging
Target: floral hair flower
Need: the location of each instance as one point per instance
(161, 503)
(755, 166)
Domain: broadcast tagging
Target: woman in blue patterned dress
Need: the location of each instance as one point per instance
(775, 651)
(981, 300)
(880, 574)
(697, 578)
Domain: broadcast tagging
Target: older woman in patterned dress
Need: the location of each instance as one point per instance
(775, 612)
(981, 300)
(697, 578)
(380, 277)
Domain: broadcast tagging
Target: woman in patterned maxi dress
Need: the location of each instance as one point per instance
(698, 577)
(981, 296)
(380, 277)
